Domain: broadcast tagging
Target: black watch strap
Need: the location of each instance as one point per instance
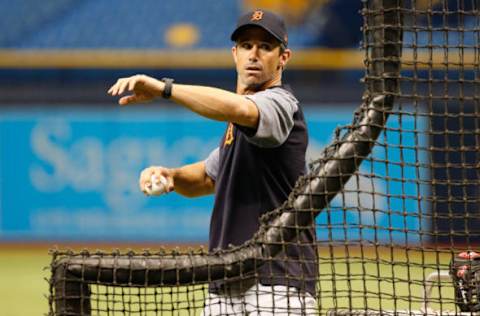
(167, 91)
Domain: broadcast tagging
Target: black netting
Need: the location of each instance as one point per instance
(397, 193)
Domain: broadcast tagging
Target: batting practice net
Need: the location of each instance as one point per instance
(393, 199)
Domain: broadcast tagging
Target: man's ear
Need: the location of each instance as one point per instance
(285, 57)
(234, 54)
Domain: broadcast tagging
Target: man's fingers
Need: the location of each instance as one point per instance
(133, 98)
(145, 179)
(117, 88)
(128, 84)
(122, 86)
(128, 99)
(125, 84)
(170, 185)
(157, 172)
(114, 89)
(162, 172)
(132, 82)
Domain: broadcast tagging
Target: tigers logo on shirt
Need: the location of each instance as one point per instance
(228, 135)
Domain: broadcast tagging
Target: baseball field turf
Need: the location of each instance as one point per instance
(22, 280)
(386, 282)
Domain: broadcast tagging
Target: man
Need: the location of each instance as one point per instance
(251, 172)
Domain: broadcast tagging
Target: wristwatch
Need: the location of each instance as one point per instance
(167, 91)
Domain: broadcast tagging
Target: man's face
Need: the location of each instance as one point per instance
(258, 58)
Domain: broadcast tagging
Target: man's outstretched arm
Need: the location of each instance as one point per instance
(213, 103)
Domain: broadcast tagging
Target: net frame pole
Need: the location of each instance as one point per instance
(313, 192)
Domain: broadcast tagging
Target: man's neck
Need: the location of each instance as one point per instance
(245, 90)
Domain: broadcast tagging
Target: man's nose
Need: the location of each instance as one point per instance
(253, 54)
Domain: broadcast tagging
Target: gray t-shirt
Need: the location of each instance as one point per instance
(276, 108)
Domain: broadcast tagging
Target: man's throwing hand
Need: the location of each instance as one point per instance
(156, 181)
(141, 87)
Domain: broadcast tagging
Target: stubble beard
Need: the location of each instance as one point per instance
(254, 84)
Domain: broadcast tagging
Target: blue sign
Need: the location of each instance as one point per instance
(72, 174)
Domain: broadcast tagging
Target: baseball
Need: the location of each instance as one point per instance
(158, 185)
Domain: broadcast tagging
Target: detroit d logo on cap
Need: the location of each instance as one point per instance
(257, 15)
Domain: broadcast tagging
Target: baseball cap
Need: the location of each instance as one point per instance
(267, 20)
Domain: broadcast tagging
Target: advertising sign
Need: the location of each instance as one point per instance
(72, 174)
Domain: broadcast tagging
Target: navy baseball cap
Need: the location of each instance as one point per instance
(267, 20)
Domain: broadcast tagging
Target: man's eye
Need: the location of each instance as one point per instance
(265, 47)
(246, 45)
